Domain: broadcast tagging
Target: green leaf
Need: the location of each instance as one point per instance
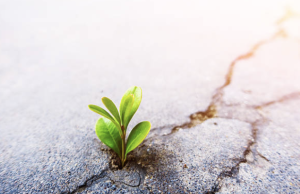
(112, 108)
(108, 133)
(126, 109)
(137, 135)
(100, 111)
(104, 113)
(137, 93)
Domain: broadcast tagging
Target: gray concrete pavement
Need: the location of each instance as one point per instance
(56, 57)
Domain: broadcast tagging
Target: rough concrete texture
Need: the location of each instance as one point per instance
(273, 165)
(220, 87)
(187, 161)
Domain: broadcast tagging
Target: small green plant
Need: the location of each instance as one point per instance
(111, 129)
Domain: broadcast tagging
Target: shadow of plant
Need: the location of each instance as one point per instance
(158, 166)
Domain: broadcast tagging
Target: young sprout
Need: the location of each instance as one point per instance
(111, 128)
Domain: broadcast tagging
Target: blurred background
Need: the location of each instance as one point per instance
(63, 54)
(58, 56)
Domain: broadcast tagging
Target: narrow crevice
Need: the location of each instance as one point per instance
(234, 171)
(291, 96)
(211, 112)
(163, 127)
(159, 129)
(121, 182)
(197, 118)
(141, 173)
(287, 97)
(263, 157)
(244, 56)
(89, 182)
(288, 14)
(217, 98)
(92, 180)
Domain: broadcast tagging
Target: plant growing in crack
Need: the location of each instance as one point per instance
(111, 128)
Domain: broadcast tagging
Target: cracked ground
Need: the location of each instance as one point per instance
(220, 86)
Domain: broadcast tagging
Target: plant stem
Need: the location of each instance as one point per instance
(123, 146)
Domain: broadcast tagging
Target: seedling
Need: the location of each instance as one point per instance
(111, 128)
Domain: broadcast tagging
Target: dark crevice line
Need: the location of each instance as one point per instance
(89, 182)
(234, 171)
(295, 95)
(163, 127)
(121, 182)
(287, 97)
(263, 157)
(197, 118)
(211, 112)
(247, 55)
(291, 96)
(141, 172)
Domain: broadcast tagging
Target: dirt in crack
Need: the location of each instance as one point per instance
(89, 182)
(197, 118)
(104, 176)
(211, 112)
(233, 172)
(290, 96)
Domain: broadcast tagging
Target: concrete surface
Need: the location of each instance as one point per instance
(220, 87)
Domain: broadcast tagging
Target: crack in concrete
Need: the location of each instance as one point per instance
(234, 171)
(163, 127)
(211, 112)
(287, 97)
(288, 14)
(114, 181)
(92, 180)
(262, 156)
(89, 182)
(197, 118)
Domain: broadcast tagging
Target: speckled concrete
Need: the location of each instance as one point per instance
(273, 165)
(220, 87)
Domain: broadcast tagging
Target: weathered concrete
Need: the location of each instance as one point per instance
(187, 161)
(194, 61)
(273, 165)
